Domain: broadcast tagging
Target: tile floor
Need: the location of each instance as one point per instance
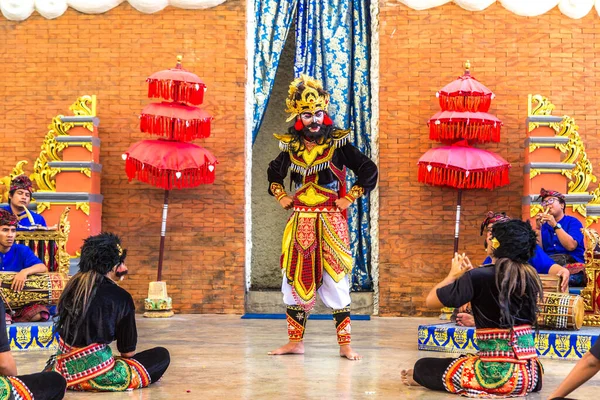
(225, 357)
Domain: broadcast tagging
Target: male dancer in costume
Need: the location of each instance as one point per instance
(19, 258)
(19, 197)
(93, 312)
(316, 257)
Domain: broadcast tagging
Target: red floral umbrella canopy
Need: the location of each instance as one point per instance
(463, 167)
(449, 126)
(175, 121)
(170, 164)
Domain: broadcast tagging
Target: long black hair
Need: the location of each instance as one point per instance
(517, 281)
(99, 254)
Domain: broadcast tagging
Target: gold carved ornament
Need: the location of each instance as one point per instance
(60, 236)
(43, 175)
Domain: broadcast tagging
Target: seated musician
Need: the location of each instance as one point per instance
(93, 311)
(540, 262)
(20, 259)
(504, 297)
(19, 197)
(40, 386)
(559, 234)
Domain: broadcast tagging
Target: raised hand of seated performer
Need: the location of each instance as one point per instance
(460, 265)
(18, 282)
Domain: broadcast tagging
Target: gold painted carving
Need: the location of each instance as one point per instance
(537, 171)
(86, 171)
(84, 207)
(51, 150)
(542, 107)
(60, 236)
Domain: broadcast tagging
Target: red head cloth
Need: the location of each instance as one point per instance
(551, 193)
(491, 218)
(7, 218)
(21, 182)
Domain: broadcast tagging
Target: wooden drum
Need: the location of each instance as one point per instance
(561, 311)
(550, 283)
(42, 289)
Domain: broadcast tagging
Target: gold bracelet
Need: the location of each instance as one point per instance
(354, 193)
(277, 190)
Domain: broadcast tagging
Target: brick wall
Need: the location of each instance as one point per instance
(422, 51)
(47, 64)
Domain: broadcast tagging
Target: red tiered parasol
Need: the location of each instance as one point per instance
(463, 118)
(171, 164)
(175, 121)
(447, 126)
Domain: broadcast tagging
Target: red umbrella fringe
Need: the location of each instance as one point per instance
(465, 103)
(166, 178)
(457, 178)
(474, 131)
(185, 92)
(175, 128)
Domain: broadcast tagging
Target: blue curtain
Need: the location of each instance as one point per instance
(333, 45)
(273, 21)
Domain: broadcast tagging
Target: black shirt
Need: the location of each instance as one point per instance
(4, 343)
(478, 286)
(111, 316)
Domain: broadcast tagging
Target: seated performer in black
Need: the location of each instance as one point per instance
(41, 386)
(92, 312)
(503, 296)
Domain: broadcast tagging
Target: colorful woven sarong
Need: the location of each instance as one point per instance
(505, 366)
(13, 388)
(94, 368)
(315, 239)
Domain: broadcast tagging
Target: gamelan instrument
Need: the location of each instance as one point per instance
(42, 289)
(561, 311)
(550, 283)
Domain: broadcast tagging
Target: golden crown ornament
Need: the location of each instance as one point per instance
(310, 99)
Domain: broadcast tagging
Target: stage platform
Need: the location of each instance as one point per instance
(451, 338)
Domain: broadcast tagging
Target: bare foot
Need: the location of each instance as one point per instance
(346, 351)
(289, 348)
(406, 376)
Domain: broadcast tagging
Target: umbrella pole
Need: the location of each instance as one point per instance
(163, 231)
(457, 224)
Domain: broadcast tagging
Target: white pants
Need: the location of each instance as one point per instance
(335, 295)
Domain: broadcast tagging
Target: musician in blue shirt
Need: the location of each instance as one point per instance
(560, 234)
(19, 197)
(19, 258)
